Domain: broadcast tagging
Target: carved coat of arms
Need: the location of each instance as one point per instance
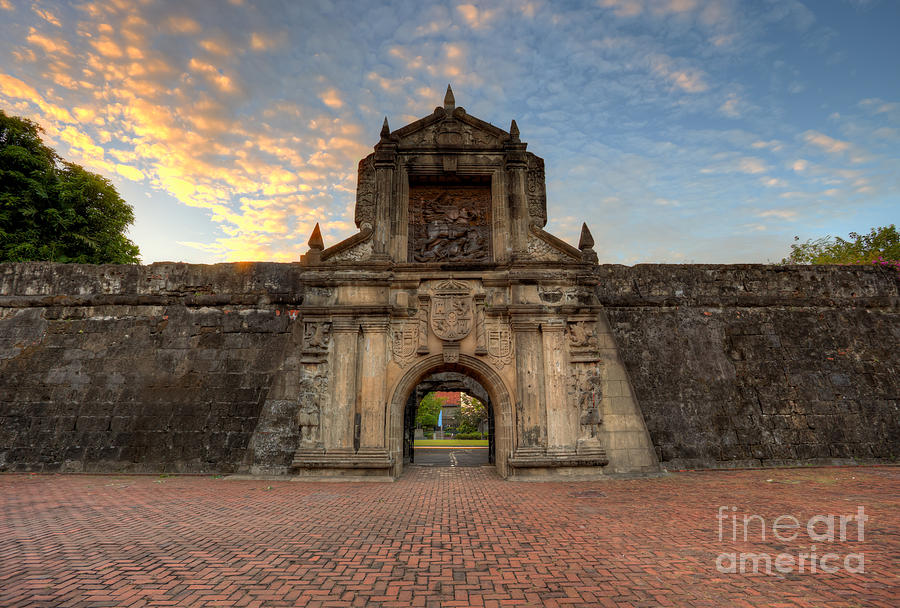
(452, 311)
(499, 344)
(404, 341)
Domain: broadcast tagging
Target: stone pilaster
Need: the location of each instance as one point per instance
(372, 386)
(516, 166)
(561, 422)
(531, 412)
(385, 169)
(337, 430)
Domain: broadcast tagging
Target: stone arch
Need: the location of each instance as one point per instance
(501, 399)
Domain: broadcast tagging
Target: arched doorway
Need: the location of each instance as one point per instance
(435, 369)
(447, 382)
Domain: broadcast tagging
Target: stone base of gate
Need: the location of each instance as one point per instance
(370, 465)
(536, 464)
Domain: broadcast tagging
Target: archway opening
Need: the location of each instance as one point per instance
(480, 379)
(461, 434)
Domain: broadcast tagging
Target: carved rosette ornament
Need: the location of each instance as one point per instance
(404, 342)
(452, 314)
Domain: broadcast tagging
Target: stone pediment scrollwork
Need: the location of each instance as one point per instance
(452, 311)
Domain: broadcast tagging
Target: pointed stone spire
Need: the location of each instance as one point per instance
(586, 245)
(385, 129)
(316, 245)
(315, 240)
(449, 101)
(514, 130)
(586, 241)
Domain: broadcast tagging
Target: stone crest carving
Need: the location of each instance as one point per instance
(499, 344)
(449, 224)
(404, 342)
(365, 193)
(452, 314)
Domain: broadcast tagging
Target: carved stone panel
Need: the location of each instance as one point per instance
(404, 341)
(449, 223)
(312, 395)
(499, 343)
(536, 190)
(582, 338)
(365, 193)
(452, 314)
(585, 393)
(316, 337)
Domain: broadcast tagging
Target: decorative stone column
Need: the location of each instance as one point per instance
(374, 359)
(531, 412)
(385, 169)
(561, 422)
(337, 428)
(516, 165)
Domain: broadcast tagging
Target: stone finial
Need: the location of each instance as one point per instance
(316, 246)
(385, 129)
(514, 130)
(586, 245)
(449, 101)
(315, 240)
(587, 240)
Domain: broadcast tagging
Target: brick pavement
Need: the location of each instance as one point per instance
(437, 537)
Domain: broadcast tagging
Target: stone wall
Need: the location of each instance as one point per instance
(749, 365)
(191, 368)
(157, 368)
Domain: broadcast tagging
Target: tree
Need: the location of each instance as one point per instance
(55, 210)
(471, 413)
(880, 246)
(429, 410)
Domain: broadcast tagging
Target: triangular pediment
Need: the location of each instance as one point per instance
(454, 129)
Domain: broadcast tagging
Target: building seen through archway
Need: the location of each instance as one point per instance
(446, 451)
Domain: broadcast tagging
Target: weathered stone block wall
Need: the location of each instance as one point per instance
(760, 365)
(156, 368)
(191, 368)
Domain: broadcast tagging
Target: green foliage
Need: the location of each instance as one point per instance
(471, 413)
(470, 435)
(54, 210)
(429, 409)
(880, 246)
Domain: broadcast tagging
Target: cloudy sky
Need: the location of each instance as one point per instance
(679, 130)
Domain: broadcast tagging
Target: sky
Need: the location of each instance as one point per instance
(681, 131)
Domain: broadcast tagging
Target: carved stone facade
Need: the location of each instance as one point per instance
(451, 272)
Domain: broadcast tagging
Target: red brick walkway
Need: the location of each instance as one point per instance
(438, 537)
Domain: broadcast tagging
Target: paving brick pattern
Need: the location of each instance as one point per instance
(437, 537)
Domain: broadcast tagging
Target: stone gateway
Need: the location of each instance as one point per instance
(315, 369)
(447, 278)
